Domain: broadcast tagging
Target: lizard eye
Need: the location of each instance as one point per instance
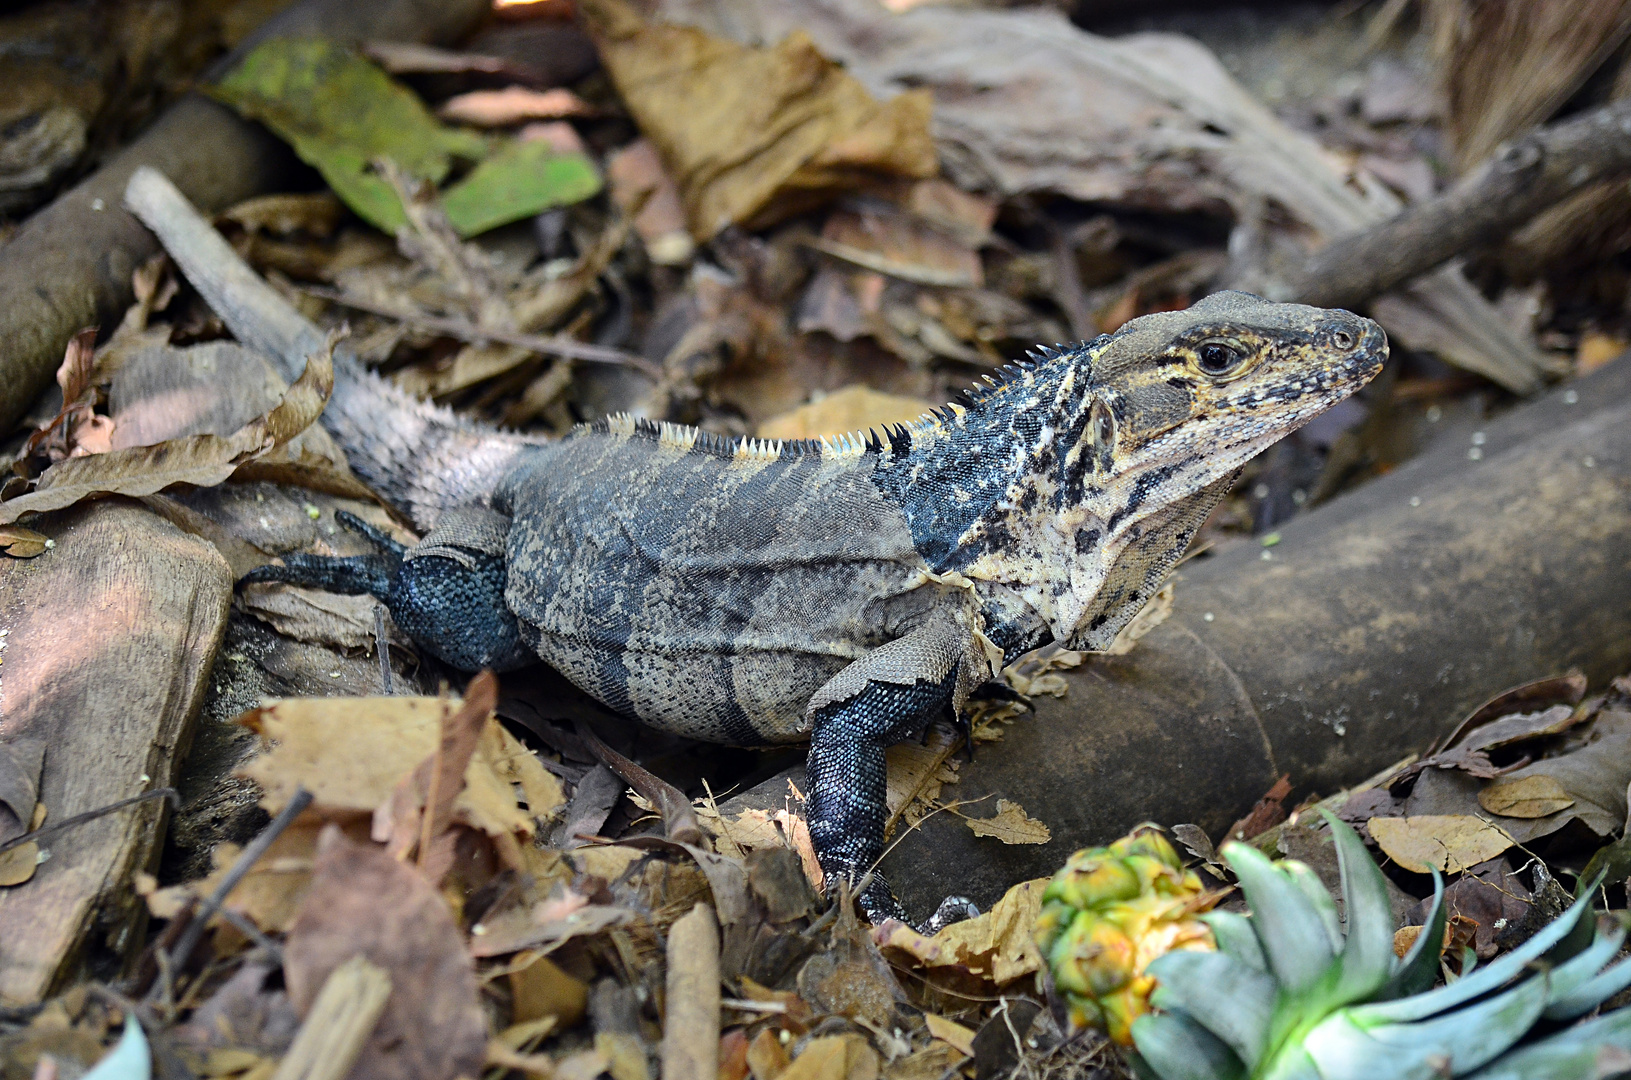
(1215, 358)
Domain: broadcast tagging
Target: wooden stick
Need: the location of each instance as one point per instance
(691, 1024)
(338, 1024)
(1523, 178)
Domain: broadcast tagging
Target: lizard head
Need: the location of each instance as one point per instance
(1174, 404)
(1078, 482)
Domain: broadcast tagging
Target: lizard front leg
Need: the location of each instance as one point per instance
(873, 703)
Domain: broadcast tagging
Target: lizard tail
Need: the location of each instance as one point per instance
(419, 456)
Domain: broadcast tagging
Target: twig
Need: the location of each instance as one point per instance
(468, 331)
(91, 815)
(183, 951)
(679, 820)
(338, 1024)
(382, 646)
(691, 1026)
(1523, 178)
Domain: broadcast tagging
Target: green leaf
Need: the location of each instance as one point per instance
(1346, 1048)
(1236, 938)
(1597, 1048)
(1419, 970)
(1302, 876)
(1367, 954)
(340, 113)
(1289, 927)
(1485, 979)
(1222, 994)
(519, 180)
(1591, 993)
(1177, 1048)
(1579, 970)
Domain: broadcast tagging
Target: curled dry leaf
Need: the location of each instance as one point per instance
(749, 132)
(997, 945)
(202, 460)
(21, 543)
(1450, 842)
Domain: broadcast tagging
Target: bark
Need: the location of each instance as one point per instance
(69, 265)
(1375, 626)
(112, 634)
(1523, 178)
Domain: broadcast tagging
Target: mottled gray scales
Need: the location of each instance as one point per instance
(715, 589)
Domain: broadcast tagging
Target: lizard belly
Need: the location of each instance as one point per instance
(707, 596)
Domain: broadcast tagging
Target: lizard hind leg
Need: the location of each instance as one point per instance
(446, 592)
(868, 706)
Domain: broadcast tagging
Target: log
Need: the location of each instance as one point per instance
(110, 638)
(1377, 623)
(1523, 178)
(69, 265)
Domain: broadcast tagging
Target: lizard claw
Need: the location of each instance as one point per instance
(953, 909)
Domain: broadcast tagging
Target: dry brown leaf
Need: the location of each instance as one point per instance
(1011, 825)
(834, 1057)
(854, 408)
(18, 864)
(951, 1033)
(334, 619)
(364, 903)
(316, 214)
(890, 241)
(512, 105)
(916, 774)
(350, 753)
(202, 460)
(1527, 797)
(419, 811)
(752, 132)
(996, 945)
(1451, 842)
(754, 829)
(21, 543)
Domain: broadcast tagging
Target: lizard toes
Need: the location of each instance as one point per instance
(952, 909)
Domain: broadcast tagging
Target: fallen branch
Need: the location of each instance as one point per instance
(691, 1026)
(1524, 177)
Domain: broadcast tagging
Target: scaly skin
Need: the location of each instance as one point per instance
(849, 591)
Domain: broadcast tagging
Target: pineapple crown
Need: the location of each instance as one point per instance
(1287, 996)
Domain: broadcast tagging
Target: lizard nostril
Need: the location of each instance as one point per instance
(1342, 339)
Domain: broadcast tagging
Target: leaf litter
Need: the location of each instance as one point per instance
(800, 249)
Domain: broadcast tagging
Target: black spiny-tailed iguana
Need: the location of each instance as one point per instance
(841, 591)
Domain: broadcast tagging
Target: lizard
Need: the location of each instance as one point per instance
(843, 591)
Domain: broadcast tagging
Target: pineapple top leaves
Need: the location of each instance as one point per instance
(1286, 998)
